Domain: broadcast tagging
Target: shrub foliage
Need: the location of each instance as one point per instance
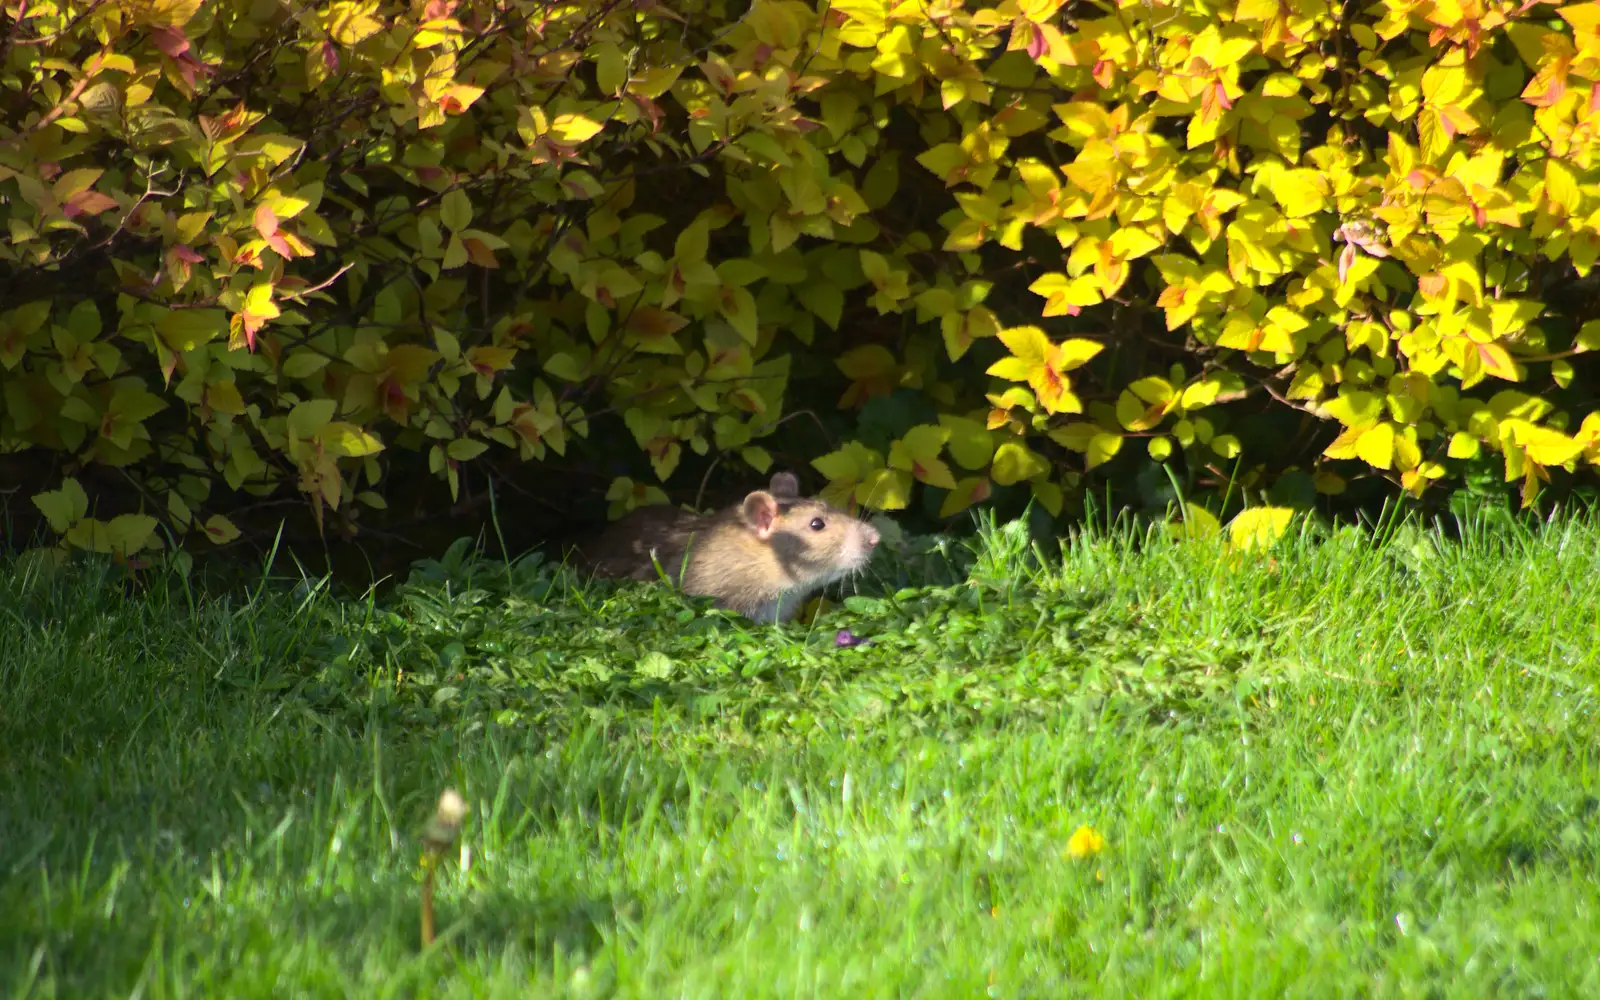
(256, 248)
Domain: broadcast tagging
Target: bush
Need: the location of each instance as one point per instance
(1282, 249)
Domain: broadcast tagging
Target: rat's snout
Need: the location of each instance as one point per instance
(869, 536)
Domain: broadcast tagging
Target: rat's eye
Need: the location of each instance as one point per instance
(817, 524)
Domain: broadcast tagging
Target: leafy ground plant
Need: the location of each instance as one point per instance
(1340, 767)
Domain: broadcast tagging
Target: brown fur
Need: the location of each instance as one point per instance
(762, 558)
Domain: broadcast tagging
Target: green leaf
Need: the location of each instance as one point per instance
(128, 533)
(26, 319)
(455, 210)
(64, 506)
(611, 69)
(692, 244)
(304, 364)
(309, 417)
(466, 449)
(824, 299)
(738, 307)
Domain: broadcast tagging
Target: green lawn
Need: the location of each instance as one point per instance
(1349, 770)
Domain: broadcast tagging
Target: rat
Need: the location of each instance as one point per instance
(762, 557)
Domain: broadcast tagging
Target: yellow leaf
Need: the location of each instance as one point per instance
(1463, 445)
(1546, 445)
(343, 438)
(350, 23)
(1376, 446)
(1226, 445)
(1259, 527)
(1355, 408)
(1195, 522)
(1135, 415)
(1073, 353)
(168, 13)
(1043, 364)
(258, 301)
(971, 444)
(574, 129)
(885, 489)
(1103, 447)
(1075, 436)
(1011, 369)
(1027, 343)
(1014, 462)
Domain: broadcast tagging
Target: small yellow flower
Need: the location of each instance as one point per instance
(1085, 842)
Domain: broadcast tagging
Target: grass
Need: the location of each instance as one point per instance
(1349, 769)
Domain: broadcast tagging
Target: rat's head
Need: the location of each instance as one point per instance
(815, 543)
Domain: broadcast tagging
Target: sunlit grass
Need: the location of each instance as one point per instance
(1343, 768)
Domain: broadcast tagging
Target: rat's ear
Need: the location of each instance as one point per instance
(785, 484)
(760, 512)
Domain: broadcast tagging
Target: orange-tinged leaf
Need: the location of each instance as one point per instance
(738, 307)
(487, 360)
(266, 221)
(75, 182)
(652, 326)
(969, 491)
(917, 452)
(219, 530)
(1496, 361)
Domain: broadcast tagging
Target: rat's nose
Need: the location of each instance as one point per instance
(870, 536)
